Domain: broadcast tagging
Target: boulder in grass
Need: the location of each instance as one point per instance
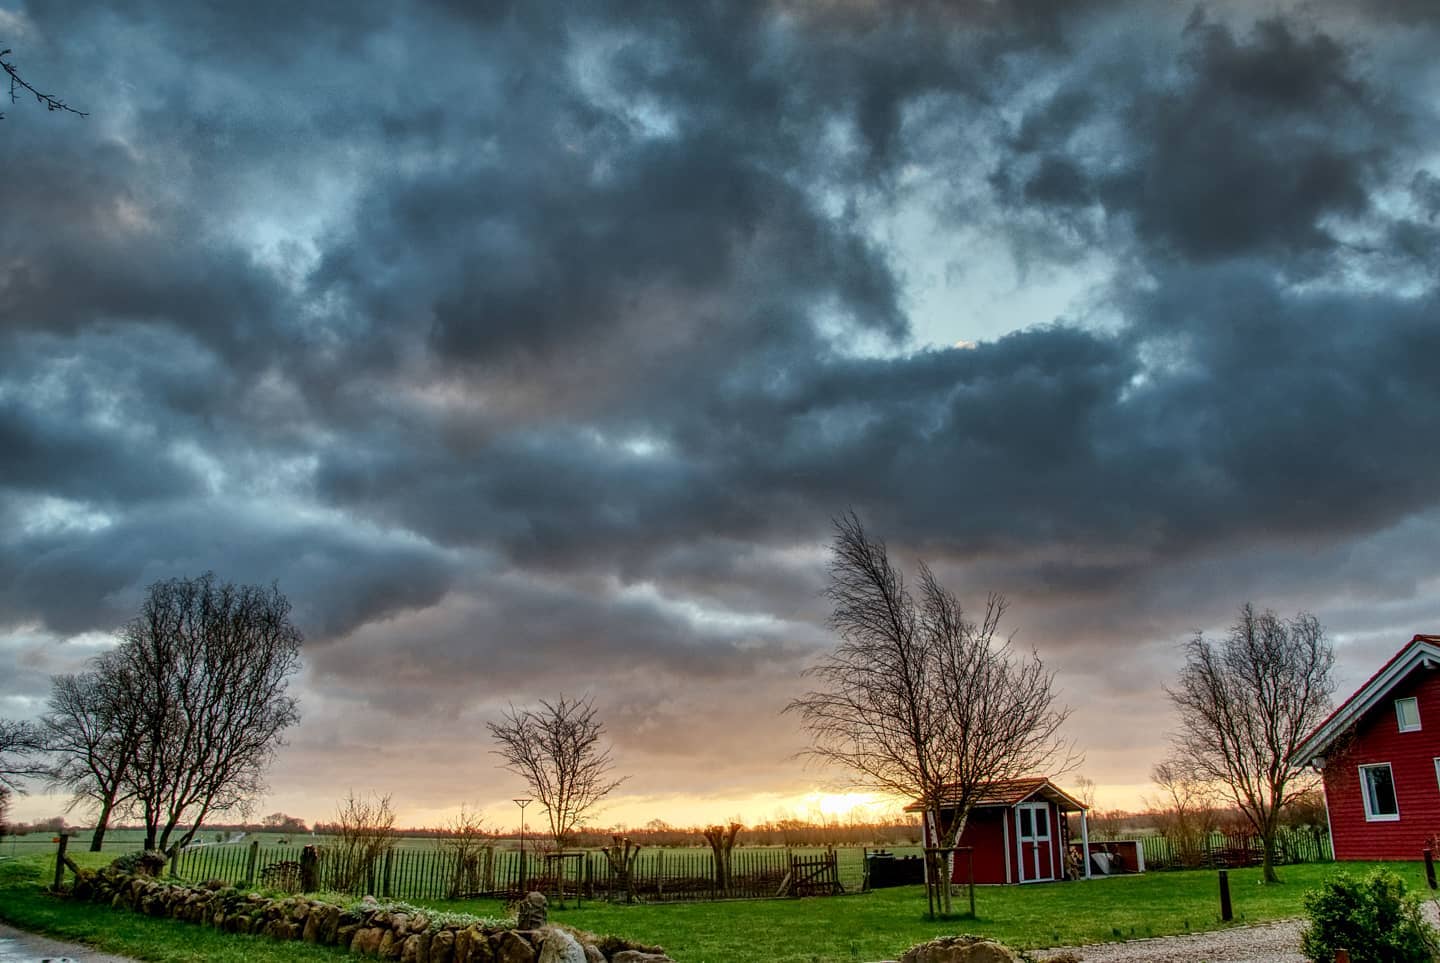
(561, 947)
(960, 949)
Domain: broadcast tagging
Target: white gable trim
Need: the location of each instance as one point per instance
(1370, 695)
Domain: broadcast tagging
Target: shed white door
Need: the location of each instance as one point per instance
(1033, 841)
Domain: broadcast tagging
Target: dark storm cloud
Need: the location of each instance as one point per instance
(532, 348)
(1263, 137)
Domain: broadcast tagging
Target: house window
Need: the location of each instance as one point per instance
(1378, 785)
(1437, 770)
(1407, 713)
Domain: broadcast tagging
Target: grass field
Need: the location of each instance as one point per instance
(879, 925)
(844, 929)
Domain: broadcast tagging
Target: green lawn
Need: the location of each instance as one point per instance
(843, 929)
(25, 904)
(881, 924)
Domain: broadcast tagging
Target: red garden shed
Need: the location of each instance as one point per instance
(1379, 754)
(1017, 832)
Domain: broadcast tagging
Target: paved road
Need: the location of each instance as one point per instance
(19, 947)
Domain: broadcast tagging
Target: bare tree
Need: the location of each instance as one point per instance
(1185, 810)
(466, 838)
(919, 701)
(365, 832)
(21, 744)
(556, 749)
(1245, 703)
(18, 83)
(93, 730)
(210, 663)
(722, 845)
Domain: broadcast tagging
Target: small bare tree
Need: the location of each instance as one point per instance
(919, 701)
(466, 838)
(557, 750)
(365, 831)
(1245, 703)
(722, 844)
(1185, 810)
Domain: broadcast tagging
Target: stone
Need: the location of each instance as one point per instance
(442, 947)
(959, 949)
(510, 947)
(416, 948)
(561, 947)
(345, 935)
(593, 954)
(639, 956)
(532, 912)
(391, 944)
(367, 941)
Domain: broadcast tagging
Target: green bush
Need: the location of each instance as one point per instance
(1374, 918)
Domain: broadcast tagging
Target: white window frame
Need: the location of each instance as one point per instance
(1437, 771)
(1370, 816)
(1400, 717)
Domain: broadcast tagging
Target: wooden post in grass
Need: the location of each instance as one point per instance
(62, 841)
(252, 861)
(1430, 867)
(1226, 912)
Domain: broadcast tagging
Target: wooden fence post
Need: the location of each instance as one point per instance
(63, 841)
(1226, 912)
(251, 862)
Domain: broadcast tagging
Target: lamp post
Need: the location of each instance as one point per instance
(522, 803)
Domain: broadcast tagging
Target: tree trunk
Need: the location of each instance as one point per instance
(102, 823)
(1267, 860)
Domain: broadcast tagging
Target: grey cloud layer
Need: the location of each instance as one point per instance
(528, 346)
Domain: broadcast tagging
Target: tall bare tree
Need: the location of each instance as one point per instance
(557, 750)
(1245, 703)
(93, 730)
(919, 701)
(210, 663)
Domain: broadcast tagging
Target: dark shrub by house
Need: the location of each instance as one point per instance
(1374, 918)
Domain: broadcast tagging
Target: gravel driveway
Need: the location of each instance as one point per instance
(1265, 943)
(1277, 942)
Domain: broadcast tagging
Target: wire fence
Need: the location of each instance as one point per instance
(658, 875)
(1221, 850)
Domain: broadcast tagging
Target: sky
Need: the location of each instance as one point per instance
(531, 348)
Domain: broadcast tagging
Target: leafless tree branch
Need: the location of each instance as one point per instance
(18, 83)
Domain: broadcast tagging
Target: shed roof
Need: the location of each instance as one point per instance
(1012, 792)
(1420, 650)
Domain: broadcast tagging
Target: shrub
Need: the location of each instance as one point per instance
(1374, 918)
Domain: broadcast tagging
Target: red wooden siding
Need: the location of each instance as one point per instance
(1412, 762)
(983, 832)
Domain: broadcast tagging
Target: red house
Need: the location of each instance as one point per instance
(1379, 754)
(1017, 832)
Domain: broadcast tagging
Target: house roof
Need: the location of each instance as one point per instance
(1421, 650)
(1012, 792)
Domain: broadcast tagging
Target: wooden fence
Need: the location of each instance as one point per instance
(1242, 849)
(659, 875)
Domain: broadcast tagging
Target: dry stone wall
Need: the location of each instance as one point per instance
(368, 928)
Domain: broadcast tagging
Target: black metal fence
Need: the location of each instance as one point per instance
(1305, 845)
